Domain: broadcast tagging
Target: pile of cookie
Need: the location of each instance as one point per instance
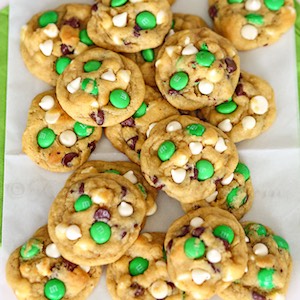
(170, 94)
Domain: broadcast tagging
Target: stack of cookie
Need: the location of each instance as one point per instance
(171, 95)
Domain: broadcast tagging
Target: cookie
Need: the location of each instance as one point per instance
(51, 39)
(55, 141)
(251, 24)
(129, 136)
(186, 158)
(129, 170)
(248, 113)
(141, 273)
(187, 21)
(95, 220)
(130, 26)
(234, 194)
(171, 1)
(197, 68)
(206, 251)
(37, 270)
(269, 266)
(101, 88)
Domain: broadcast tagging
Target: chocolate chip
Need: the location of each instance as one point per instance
(123, 234)
(231, 66)
(158, 185)
(94, 7)
(184, 231)
(173, 92)
(128, 122)
(98, 117)
(126, 43)
(239, 90)
(171, 284)
(66, 161)
(194, 175)
(65, 49)
(102, 214)
(226, 244)
(213, 11)
(257, 296)
(123, 192)
(154, 179)
(132, 142)
(81, 188)
(69, 265)
(92, 146)
(139, 290)
(169, 245)
(196, 232)
(73, 22)
(216, 270)
(136, 30)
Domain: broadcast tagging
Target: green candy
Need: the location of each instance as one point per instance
(166, 150)
(84, 202)
(225, 233)
(146, 20)
(47, 18)
(100, 232)
(274, 4)
(119, 98)
(205, 58)
(258, 228)
(281, 242)
(92, 65)
(138, 266)
(204, 47)
(234, 1)
(148, 55)
(30, 249)
(84, 38)
(90, 86)
(112, 171)
(226, 107)
(265, 278)
(46, 138)
(205, 169)
(231, 198)
(141, 111)
(142, 189)
(173, 24)
(83, 130)
(242, 169)
(116, 3)
(196, 129)
(255, 19)
(179, 81)
(194, 248)
(61, 63)
(54, 289)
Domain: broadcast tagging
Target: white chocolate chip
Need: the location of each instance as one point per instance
(157, 63)
(52, 251)
(68, 138)
(199, 276)
(170, 50)
(131, 177)
(120, 20)
(86, 269)
(259, 105)
(60, 230)
(73, 233)
(173, 126)
(95, 104)
(46, 47)
(51, 117)
(124, 75)
(227, 180)
(159, 289)
(249, 32)
(109, 75)
(135, 1)
(246, 269)
(150, 128)
(260, 249)
(276, 296)
(215, 75)
(151, 211)
(247, 240)
(196, 222)
(253, 5)
(212, 197)
(47, 102)
(171, 32)
(178, 175)
(225, 125)
(125, 209)
(195, 147)
(220, 145)
(51, 30)
(248, 122)
(102, 196)
(205, 87)
(187, 40)
(160, 17)
(189, 50)
(213, 256)
(74, 85)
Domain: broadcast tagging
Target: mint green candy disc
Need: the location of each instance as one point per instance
(243, 169)
(205, 58)
(179, 81)
(83, 203)
(113, 171)
(100, 232)
(84, 38)
(194, 248)
(234, 1)
(90, 86)
(205, 169)
(48, 18)
(274, 4)
(281, 242)
(141, 111)
(117, 3)
(196, 129)
(92, 65)
(146, 20)
(227, 107)
(224, 232)
(138, 266)
(258, 228)
(30, 249)
(54, 289)
(83, 130)
(255, 19)
(148, 55)
(231, 198)
(265, 278)
(61, 63)
(119, 98)
(166, 150)
(46, 138)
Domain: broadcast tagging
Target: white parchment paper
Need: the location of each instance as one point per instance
(273, 158)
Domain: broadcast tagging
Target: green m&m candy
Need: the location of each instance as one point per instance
(83, 130)
(205, 169)
(46, 138)
(196, 129)
(232, 198)
(117, 3)
(179, 81)
(148, 55)
(61, 64)
(141, 111)
(281, 242)
(204, 47)
(265, 278)
(274, 4)
(100, 232)
(173, 24)
(242, 169)
(113, 171)
(92, 65)
(234, 1)
(258, 228)
(142, 189)
(224, 232)
(83, 203)
(48, 18)
(84, 38)
(138, 266)
(205, 58)
(227, 107)
(255, 19)
(119, 98)
(146, 20)
(194, 248)
(54, 289)
(90, 86)
(166, 150)
(30, 249)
